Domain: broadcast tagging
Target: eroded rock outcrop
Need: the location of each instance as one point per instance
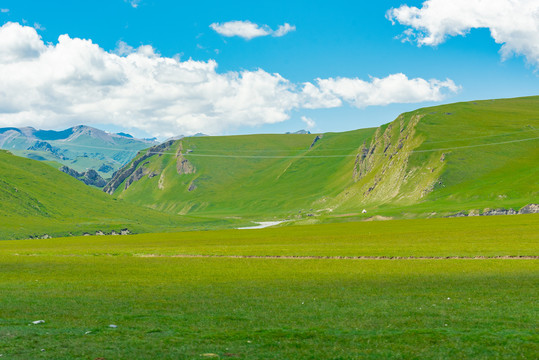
(316, 139)
(121, 175)
(136, 176)
(385, 169)
(90, 177)
(183, 166)
(528, 209)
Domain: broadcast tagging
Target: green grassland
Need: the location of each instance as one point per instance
(433, 161)
(461, 237)
(171, 307)
(38, 200)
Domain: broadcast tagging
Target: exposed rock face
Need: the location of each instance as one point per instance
(386, 148)
(499, 212)
(90, 177)
(318, 137)
(528, 209)
(136, 176)
(183, 166)
(385, 171)
(161, 182)
(93, 177)
(361, 167)
(121, 175)
(192, 186)
(70, 172)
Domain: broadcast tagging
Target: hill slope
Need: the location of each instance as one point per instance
(37, 200)
(465, 156)
(80, 148)
(443, 159)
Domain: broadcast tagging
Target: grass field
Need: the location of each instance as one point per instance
(171, 307)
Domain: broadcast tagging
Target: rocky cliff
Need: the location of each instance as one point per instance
(89, 177)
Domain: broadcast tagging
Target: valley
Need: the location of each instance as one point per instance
(464, 159)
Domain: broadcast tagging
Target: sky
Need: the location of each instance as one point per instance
(165, 68)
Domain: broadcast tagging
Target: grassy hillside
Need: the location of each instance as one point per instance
(465, 156)
(255, 174)
(37, 199)
(430, 162)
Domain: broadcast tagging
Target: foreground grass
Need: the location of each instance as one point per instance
(183, 308)
(172, 308)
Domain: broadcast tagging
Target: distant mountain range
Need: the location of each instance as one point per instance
(299, 132)
(80, 148)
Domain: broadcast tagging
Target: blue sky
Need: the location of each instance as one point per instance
(331, 40)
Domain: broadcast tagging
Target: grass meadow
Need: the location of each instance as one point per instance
(169, 304)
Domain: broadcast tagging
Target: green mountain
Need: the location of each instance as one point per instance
(39, 201)
(470, 157)
(80, 148)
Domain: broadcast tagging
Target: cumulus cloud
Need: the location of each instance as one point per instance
(19, 43)
(308, 122)
(74, 81)
(395, 88)
(249, 30)
(512, 23)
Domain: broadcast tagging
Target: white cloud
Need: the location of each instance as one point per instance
(122, 49)
(38, 26)
(76, 82)
(512, 23)
(244, 29)
(4, 11)
(134, 3)
(284, 29)
(19, 43)
(395, 88)
(308, 122)
(249, 30)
